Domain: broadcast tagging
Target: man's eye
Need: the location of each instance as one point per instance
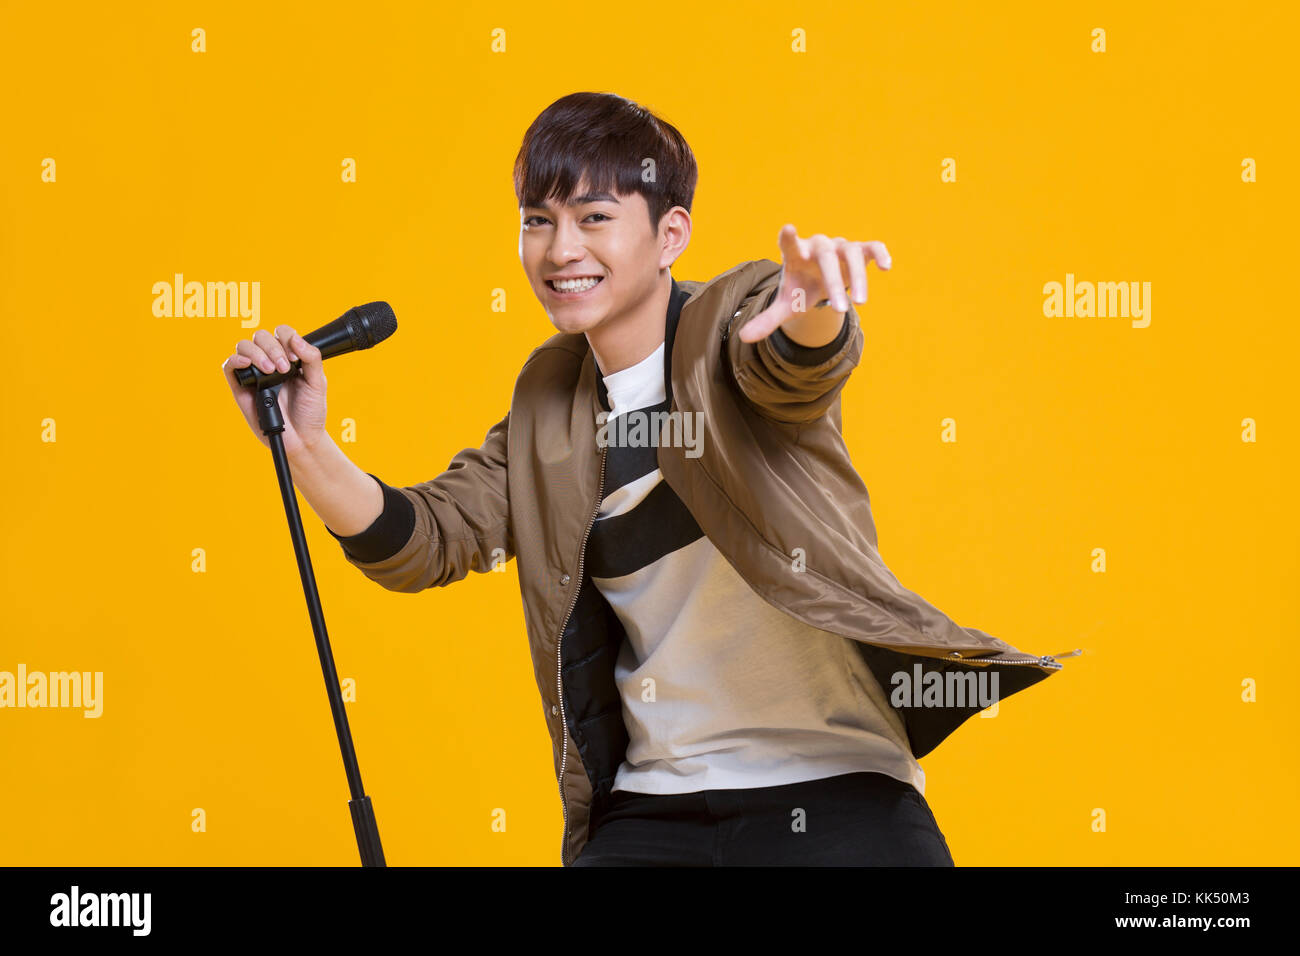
(529, 220)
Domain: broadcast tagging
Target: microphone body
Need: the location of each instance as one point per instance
(362, 327)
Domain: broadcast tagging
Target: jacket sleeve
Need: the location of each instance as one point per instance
(784, 381)
(434, 533)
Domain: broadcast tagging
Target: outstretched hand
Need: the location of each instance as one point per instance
(812, 276)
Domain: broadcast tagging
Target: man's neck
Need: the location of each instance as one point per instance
(630, 338)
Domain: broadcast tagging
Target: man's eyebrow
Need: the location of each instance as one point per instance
(575, 200)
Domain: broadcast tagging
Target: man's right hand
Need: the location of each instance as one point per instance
(302, 397)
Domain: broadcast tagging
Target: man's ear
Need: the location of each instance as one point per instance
(674, 234)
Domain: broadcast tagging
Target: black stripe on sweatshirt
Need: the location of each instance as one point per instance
(626, 463)
(659, 525)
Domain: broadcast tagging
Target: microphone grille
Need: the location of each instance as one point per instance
(374, 322)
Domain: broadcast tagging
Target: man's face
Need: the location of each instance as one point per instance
(596, 236)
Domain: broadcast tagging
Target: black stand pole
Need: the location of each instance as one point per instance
(363, 814)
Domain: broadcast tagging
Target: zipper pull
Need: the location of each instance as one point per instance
(1048, 660)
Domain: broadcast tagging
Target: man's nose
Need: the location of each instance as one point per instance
(566, 244)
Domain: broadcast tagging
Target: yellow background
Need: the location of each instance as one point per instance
(1073, 433)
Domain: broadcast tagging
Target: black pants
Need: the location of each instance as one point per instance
(852, 819)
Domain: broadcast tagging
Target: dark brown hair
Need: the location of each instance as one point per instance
(609, 138)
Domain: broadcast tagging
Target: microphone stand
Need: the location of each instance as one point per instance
(363, 814)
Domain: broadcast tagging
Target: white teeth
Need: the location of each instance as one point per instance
(574, 285)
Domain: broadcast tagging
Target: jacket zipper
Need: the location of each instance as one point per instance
(1046, 660)
(559, 684)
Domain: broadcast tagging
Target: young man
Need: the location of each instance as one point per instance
(713, 631)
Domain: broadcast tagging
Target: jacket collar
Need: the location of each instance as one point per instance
(676, 299)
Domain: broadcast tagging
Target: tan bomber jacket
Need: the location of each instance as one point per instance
(770, 483)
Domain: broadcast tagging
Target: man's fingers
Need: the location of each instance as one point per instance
(829, 261)
(284, 334)
(255, 353)
(759, 327)
(877, 251)
(789, 243)
(766, 322)
(312, 369)
(857, 270)
(273, 349)
(236, 361)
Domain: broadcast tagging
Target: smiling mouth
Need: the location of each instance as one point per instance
(575, 286)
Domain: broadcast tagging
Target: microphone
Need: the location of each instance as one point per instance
(361, 327)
